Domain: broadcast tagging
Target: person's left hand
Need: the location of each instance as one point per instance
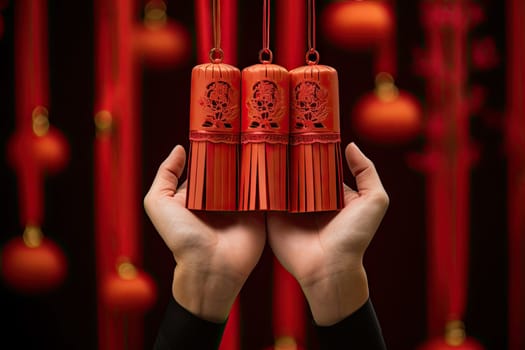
(324, 251)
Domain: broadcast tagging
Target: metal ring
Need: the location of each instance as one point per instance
(216, 55)
(268, 53)
(312, 53)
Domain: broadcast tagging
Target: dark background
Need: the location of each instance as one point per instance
(396, 261)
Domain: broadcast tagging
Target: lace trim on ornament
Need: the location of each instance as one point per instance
(264, 138)
(314, 138)
(214, 137)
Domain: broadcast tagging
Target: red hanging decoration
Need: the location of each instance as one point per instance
(264, 130)
(447, 163)
(105, 75)
(33, 264)
(357, 24)
(289, 321)
(231, 339)
(202, 29)
(124, 291)
(47, 145)
(515, 144)
(159, 41)
(316, 173)
(288, 303)
(214, 131)
(387, 115)
(128, 290)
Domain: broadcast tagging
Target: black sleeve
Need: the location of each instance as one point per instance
(360, 330)
(180, 329)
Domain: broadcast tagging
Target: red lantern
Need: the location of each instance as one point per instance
(387, 115)
(162, 46)
(128, 289)
(33, 264)
(455, 339)
(159, 41)
(285, 343)
(357, 24)
(442, 344)
(50, 151)
(48, 145)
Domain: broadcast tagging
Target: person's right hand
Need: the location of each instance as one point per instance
(215, 252)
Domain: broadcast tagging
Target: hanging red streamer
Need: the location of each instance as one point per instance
(516, 167)
(288, 309)
(103, 166)
(448, 159)
(31, 92)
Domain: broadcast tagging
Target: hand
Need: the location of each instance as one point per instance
(215, 252)
(324, 251)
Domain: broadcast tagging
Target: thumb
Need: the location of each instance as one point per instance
(366, 177)
(167, 178)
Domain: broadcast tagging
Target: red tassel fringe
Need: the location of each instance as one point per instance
(212, 176)
(263, 177)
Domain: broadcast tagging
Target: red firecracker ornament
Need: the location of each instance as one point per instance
(387, 115)
(33, 264)
(264, 138)
(128, 289)
(213, 159)
(159, 41)
(316, 174)
(214, 137)
(357, 24)
(265, 128)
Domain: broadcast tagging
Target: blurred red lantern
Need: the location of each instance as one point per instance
(51, 150)
(49, 146)
(285, 343)
(442, 344)
(387, 115)
(159, 41)
(128, 289)
(33, 264)
(455, 339)
(357, 24)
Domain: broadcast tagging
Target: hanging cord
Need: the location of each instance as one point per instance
(266, 55)
(216, 53)
(312, 56)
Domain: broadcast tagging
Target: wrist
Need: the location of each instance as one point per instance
(337, 295)
(205, 294)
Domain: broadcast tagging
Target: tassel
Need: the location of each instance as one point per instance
(214, 137)
(316, 176)
(264, 138)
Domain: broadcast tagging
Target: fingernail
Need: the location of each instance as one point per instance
(353, 144)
